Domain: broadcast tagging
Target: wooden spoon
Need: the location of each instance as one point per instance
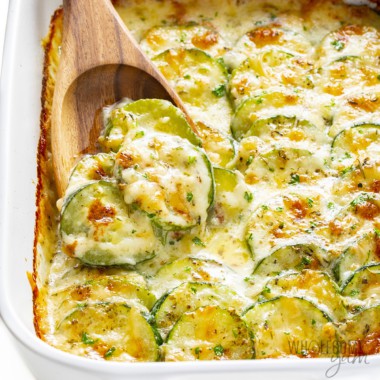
(100, 64)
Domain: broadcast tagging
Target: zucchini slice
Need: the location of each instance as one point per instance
(115, 288)
(289, 326)
(262, 106)
(356, 109)
(357, 147)
(361, 333)
(142, 116)
(289, 129)
(168, 178)
(201, 83)
(109, 331)
(314, 285)
(364, 251)
(349, 40)
(91, 168)
(97, 228)
(270, 69)
(285, 165)
(269, 37)
(364, 285)
(292, 257)
(341, 75)
(220, 147)
(162, 38)
(189, 269)
(296, 218)
(190, 296)
(231, 198)
(209, 333)
(355, 219)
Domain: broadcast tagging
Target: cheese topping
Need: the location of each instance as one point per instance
(252, 235)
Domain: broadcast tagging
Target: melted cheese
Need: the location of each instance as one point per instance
(307, 64)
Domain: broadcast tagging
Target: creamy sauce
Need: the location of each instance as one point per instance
(288, 191)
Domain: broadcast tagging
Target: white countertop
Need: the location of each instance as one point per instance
(12, 366)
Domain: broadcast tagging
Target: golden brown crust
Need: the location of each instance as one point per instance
(45, 193)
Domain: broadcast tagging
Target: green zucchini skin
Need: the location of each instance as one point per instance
(189, 269)
(266, 70)
(295, 218)
(209, 333)
(281, 323)
(151, 115)
(191, 295)
(316, 286)
(292, 257)
(109, 331)
(360, 332)
(97, 228)
(129, 287)
(158, 172)
(91, 168)
(258, 106)
(201, 82)
(253, 42)
(346, 72)
(359, 254)
(362, 285)
(278, 166)
(283, 127)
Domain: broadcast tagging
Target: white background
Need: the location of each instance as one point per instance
(11, 365)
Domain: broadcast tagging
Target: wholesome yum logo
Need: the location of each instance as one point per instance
(340, 352)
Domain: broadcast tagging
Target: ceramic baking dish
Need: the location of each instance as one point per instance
(19, 132)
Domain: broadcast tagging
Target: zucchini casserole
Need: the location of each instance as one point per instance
(254, 234)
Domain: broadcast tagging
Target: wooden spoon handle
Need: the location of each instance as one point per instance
(94, 35)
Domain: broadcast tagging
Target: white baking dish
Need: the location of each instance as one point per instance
(19, 131)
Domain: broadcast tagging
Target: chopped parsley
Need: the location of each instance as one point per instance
(139, 134)
(219, 91)
(219, 350)
(310, 202)
(338, 45)
(347, 170)
(109, 352)
(248, 196)
(294, 179)
(249, 161)
(266, 290)
(198, 241)
(86, 339)
(306, 260)
(360, 199)
(330, 205)
(189, 196)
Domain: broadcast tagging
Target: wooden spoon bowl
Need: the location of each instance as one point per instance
(100, 64)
